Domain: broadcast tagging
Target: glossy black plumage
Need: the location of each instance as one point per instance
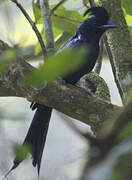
(88, 34)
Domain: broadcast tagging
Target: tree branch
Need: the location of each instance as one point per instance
(100, 58)
(120, 44)
(122, 121)
(116, 78)
(111, 58)
(109, 147)
(92, 3)
(85, 4)
(32, 25)
(46, 15)
(68, 99)
(3, 46)
(57, 6)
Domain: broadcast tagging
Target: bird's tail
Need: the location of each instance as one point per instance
(36, 136)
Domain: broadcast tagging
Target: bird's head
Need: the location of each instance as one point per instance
(97, 24)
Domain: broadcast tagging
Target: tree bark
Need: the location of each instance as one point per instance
(46, 15)
(69, 99)
(120, 44)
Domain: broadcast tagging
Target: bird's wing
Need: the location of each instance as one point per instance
(72, 43)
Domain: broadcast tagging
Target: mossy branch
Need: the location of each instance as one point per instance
(120, 45)
(72, 101)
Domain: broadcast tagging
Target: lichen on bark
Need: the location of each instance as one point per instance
(120, 43)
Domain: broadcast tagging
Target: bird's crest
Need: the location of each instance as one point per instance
(100, 13)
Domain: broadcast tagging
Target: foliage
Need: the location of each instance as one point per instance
(127, 5)
(64, 22)
(56, 66)
(6, 58)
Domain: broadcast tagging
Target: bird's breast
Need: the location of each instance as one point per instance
(86, 67)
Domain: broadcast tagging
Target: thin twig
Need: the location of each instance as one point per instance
(114, 69)
(100, 58)
(3, 46)
(121, 123)
(85, 4)
(47, 23)
(32, 25)
(67, 18)
(5, 176)
(57, 6)
(92, 3)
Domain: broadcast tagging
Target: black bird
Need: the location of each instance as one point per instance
(88, 33)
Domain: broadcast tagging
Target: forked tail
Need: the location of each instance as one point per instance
(36, 136)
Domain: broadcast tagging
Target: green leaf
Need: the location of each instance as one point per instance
(21, 152)
(62, 11)
(129, 22)
(130, 30)
(57, 66)
(64, 24)
(126, 131)
(86, 1)
(127, 5)
(122, 166)
(6, 57)
(63, 38)
(66, 20)
(57, 33)
(129, 19)
(37, 13)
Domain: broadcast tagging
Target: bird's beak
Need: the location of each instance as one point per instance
(107, 26)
